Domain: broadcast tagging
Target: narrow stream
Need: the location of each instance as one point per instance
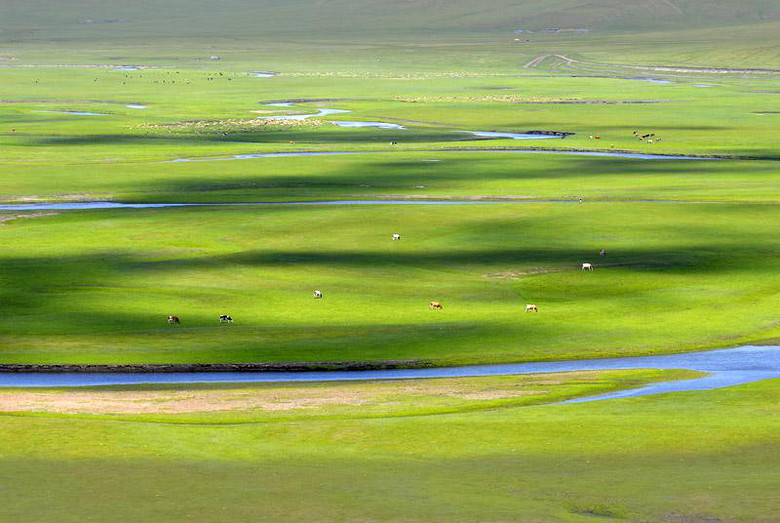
(724, 368)
(603, 154)
(89, 206)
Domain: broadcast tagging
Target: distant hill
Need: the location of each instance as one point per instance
(85, 19)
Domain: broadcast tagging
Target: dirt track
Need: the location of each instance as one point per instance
(533, 64)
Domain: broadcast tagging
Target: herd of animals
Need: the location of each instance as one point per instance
(434, 305)
(647, 137)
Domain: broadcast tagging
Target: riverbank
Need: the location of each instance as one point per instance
(293, 366)
(711, 370)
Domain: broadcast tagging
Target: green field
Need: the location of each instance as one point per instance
(96, 287)
(705, 456)
(122, 102)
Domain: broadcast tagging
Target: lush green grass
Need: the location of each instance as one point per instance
(94, 287)
(724, 120)
(97, 286)
(679, 457)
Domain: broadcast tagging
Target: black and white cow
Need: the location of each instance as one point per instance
(225, 318)
(317, 294)
(396, 237)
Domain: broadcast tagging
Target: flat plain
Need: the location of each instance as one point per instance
(201, 105)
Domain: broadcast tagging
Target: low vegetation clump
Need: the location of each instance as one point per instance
(231, 125)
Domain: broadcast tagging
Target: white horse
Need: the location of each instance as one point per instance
(396, 237)
(587, 266)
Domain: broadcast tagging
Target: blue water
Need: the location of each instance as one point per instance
(513, 136)
(386, 125)
(636, 156)
(327, 112)
(73, 113)
(86, 206)
(320, 113)
(725, 368)
(652, 80)
(378, 125)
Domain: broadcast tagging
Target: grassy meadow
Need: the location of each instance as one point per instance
(96, 287)
(121, 102)
(702, 456)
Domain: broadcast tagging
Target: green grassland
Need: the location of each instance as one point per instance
(692, 256)
(96, 287)
(704, 456)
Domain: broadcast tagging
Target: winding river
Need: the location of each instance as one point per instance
(724, 368)
(386, 125)
(603, 154)
(96, 206)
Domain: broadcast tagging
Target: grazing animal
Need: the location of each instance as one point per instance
(173, 320)
(396, 237)
(435, 305)
(587, 266)
(224, 318)
(602, 252)
(393, 143)
(317, 294)
(531, 308)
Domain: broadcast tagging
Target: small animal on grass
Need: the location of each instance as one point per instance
(435, 306)
(602, 252)
(225, 318)
(173, 320)
(393, 143)
(531, 308)
(396, 237)
(317, 294)
(587, 266)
